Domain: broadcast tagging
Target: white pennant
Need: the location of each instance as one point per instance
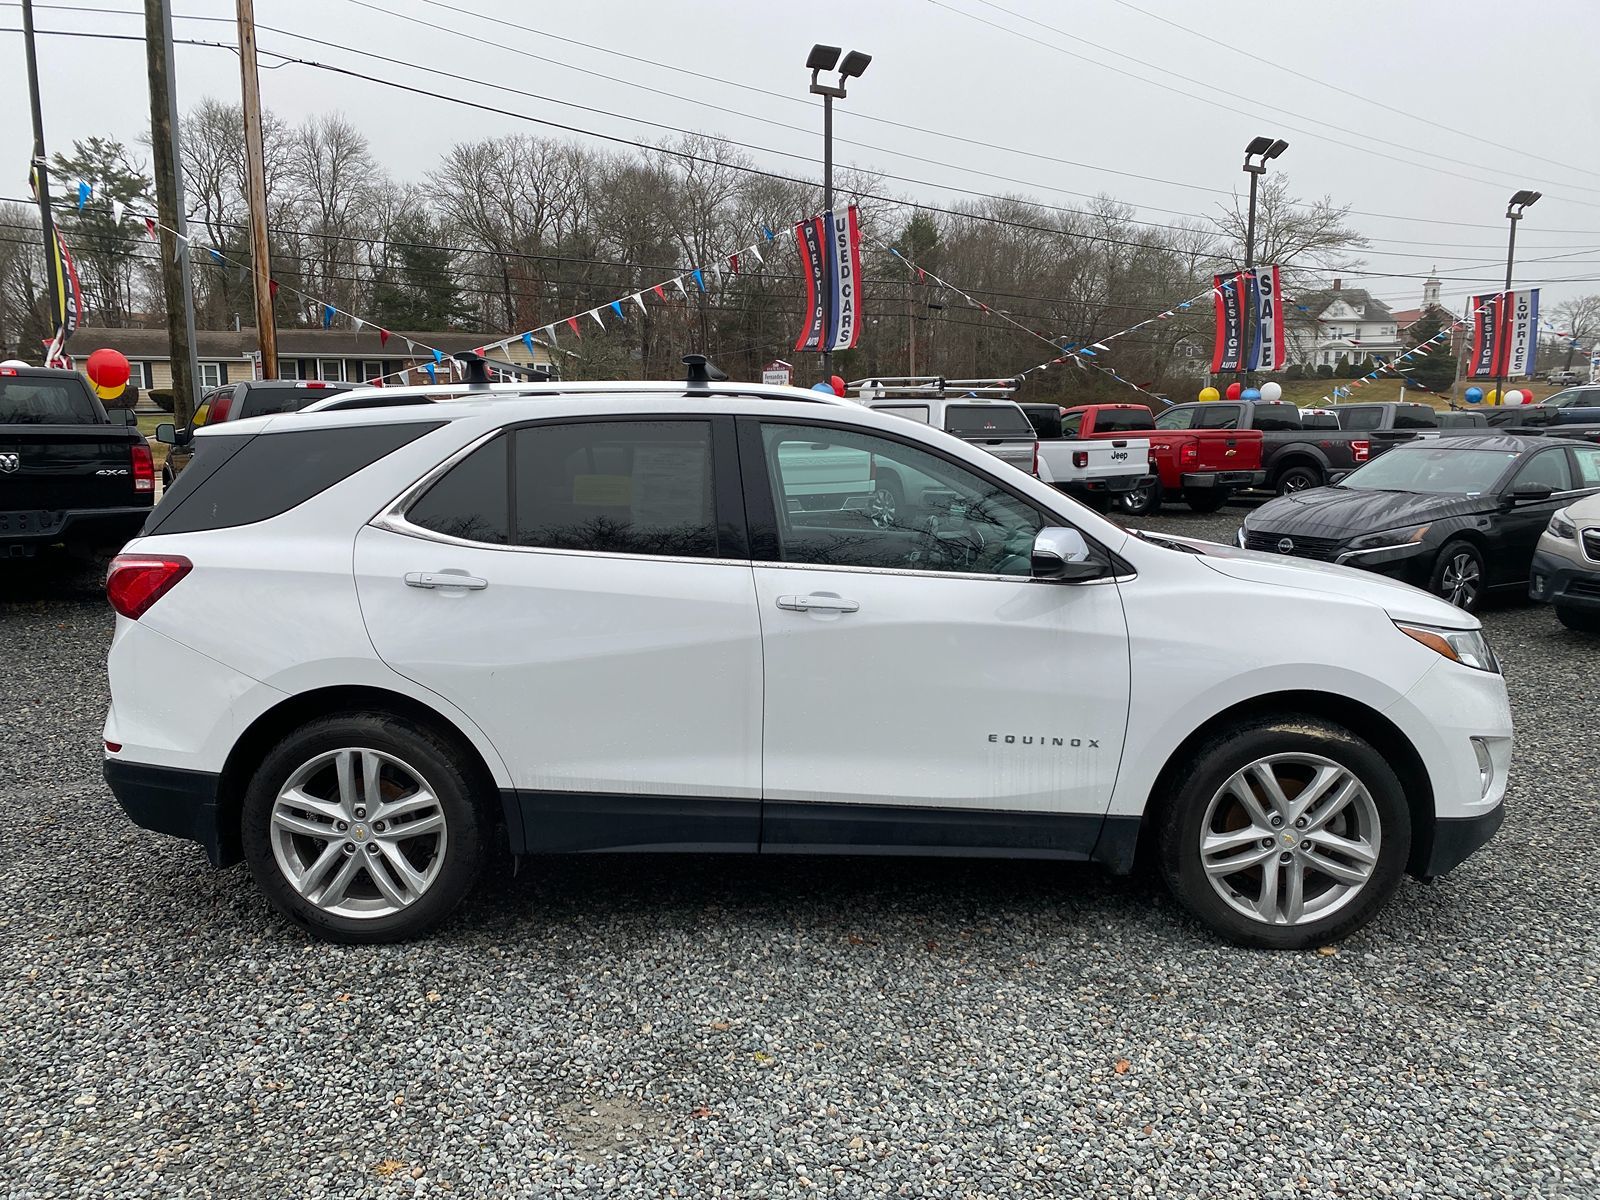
(117, 209)
(595, 313)
(638, 298)
(682, 291)
(757, 253)
(356, 324)
(550, 332)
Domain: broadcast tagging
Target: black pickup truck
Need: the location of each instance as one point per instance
(68, 472)
(1294, 458)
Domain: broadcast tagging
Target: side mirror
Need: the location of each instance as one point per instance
(1531, 493)
(167, 433)
(1064, 556)
(127, 416)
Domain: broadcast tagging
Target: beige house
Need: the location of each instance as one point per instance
(227, 356)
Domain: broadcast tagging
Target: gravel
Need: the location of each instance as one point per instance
(705, 1027)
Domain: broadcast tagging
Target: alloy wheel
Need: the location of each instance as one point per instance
(882, 508)
(358, 833)
(1290, 839)
(1460, 579)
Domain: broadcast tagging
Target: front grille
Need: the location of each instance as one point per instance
(1591, 543)
(1322, 549)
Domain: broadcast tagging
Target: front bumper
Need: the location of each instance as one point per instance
(82, 526)
(173, 801)
(1453, 840)
(1231, 479)
(1116, 485)
(1560, 581)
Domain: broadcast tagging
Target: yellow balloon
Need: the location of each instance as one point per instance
(109, 393)
(1492, 398)
(1209, 394)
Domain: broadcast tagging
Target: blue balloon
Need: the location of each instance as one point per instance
(822, 387)
(1474, 395)
(1251, 394)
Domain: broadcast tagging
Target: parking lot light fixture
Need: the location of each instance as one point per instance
(1257, 153)
(1520, 201)
(825, 58)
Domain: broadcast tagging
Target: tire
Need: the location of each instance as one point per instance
(1579, 620)
(1205, 500)
(1298, 478)
(444, 859)
(166, 477)
(1141, 502)
(1364, 842)
(887, 505)
(1458, 575)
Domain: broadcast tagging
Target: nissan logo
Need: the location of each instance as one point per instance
(1286, 546)
(9, 463)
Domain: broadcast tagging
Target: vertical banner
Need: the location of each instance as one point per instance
(812, 243)
(1228, 293)
(1522, 340)
(1486, 321)
(1267, 353)
(69, 302)
(844, 280)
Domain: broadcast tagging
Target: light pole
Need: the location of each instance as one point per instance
(824, 58)
(1260, 149)
(1519, 202)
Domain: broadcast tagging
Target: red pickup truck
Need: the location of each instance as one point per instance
(1205, 465)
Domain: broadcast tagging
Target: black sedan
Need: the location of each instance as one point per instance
(1454, 515)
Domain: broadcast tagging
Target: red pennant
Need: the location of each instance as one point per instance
(572, 324)
(733, 263)
(383, 337)
(150, 227)
(481, 351)
(984, 307)
(272, 288)
(922, 276)
(657, 290)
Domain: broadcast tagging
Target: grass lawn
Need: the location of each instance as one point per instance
(1309, 393)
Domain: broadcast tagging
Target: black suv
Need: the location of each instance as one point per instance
(235, 402)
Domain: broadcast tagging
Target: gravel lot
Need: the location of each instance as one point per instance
(704, 1027)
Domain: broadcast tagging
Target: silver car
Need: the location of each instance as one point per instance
(1566, 565)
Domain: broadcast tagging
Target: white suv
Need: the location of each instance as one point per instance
(557, 618)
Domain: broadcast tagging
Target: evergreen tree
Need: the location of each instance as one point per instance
(415, 288)
(1434, 371)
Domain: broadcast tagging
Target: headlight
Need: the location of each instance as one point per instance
(1561, 525)
(1406, 536)
(1466, 646)
(1238, 538)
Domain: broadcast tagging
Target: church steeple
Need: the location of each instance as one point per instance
(1430, 288)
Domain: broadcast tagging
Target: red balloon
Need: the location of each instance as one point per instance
(107, 367)
(1235, 390)
(838, 385)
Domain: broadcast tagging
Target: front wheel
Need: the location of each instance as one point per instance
(1285, 833)
(361, 828)
(1580, 620)
(1205, 500)
(1458, 575)
(1142, 501)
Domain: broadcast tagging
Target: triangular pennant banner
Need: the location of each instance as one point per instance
(550, 332)
(699, 280)
(383, 336)
(616, 307)
(682, 291)
(638, 298)
(595, 313)
(327, 317)
(659, 293)
(527, 340)
(572, 323)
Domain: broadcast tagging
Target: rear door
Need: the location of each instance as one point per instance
(1520, 525)
(582, 590)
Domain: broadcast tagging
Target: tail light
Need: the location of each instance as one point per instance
(1361, 449)
(313, 383)
(1189, 452)
(136, 581)
(144, 468)
(1080, 459)
(1034, 469)
(219, 408)
(1152, 462)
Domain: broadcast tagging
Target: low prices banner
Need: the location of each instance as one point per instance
(1267, 352)
(830, 260)
(1229, 291)
(1505, 333)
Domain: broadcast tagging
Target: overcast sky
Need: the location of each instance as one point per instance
(1395, 110)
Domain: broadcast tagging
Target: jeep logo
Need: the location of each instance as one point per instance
(1119, 455)
(1014, 739)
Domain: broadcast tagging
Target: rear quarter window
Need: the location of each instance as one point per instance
(1416, 416)
(987, 421)
(25, 401)
(266, 475)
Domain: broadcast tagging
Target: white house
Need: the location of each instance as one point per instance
(1326, 328)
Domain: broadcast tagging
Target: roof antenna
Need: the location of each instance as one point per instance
(702, 371)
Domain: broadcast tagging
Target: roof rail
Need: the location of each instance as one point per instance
(440, 393)
(933, 386)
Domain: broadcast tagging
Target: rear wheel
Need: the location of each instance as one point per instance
(1579, 619)
(887, 502)
(1458, 575)
(1205, 500)
(1140, 502)
(361, 828)
(1298, 479)
(1285, 833)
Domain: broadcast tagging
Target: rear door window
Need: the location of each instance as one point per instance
(987, 421)
(472, 500)
(268, 474)
(1415, 416)
(1587, 459)
(39, 401)
(1274, 416)
(1177, 418)
(1219, 416)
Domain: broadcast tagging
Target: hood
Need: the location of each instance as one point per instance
(1400, 600)
(1338, 512)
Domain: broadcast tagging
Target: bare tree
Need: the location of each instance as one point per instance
(1579, 318)
(1306, 240)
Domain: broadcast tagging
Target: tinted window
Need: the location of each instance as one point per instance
(1217, 416)
(40, 401)
(471, 500)
(987, 421)
(1322, 420)
(271, 473)
(1415, 416)
(1045, 419)
(207, 455)
(1368, 417)
(1070, 423)
(1121, 420)
(1548, 468)
(265, 401)
(851, 499)
(629, 487)
(1276, 416)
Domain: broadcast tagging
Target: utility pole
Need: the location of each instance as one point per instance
(175, 282)
(256, 173)
(41, 175)
(911, 329)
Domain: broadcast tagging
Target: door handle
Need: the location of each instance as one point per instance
(445, 579)
(817, 604)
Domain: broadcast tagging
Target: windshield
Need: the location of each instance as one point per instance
(987, 421)
(1441, 471)
(25, 401)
